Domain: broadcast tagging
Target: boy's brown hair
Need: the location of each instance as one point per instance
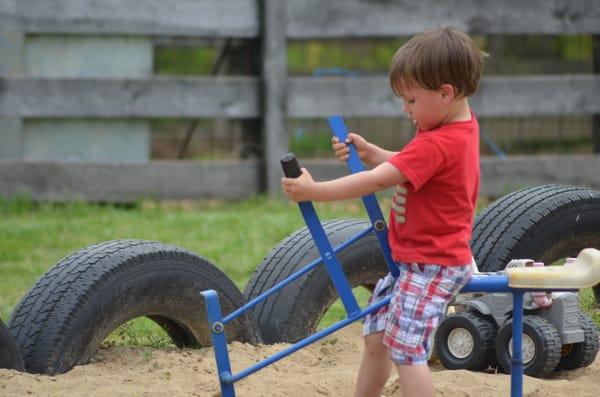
(435, 57)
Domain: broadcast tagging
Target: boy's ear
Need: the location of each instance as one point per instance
(448, 92)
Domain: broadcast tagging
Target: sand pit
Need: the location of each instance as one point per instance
(326, 368)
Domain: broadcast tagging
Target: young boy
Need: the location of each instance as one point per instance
(437, 180)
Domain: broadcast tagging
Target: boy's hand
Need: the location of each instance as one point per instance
(342, 152)
(299, 189)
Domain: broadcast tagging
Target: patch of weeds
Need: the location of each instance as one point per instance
(146, 356)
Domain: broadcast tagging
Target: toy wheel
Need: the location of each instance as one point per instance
(541, 346)
(77, 303)
(465, 340)
(582, 354)
(545, 223)
(9, 353)
(295, 313)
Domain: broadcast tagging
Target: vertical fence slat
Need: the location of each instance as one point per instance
(274, 72)
(596, 117)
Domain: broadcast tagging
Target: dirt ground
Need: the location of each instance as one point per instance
(327, 368)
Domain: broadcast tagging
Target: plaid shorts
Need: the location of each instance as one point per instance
(420, 296)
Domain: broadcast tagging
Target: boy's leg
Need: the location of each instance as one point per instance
(416, 380)
(418, 303)
(375, 367)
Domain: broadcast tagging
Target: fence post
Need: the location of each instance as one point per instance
(274, 90)
(596, 117)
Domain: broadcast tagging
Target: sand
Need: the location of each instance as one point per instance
(327, 368)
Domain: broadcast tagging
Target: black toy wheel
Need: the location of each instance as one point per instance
(10, 357)
(465, 340)
(541, 346)
(295, 312)
(545, 223)
(582, 354)
(77, 303)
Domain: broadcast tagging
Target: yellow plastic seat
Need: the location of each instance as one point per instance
(583, 273)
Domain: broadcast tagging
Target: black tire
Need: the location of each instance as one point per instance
(10, 357)
(482, 331)
(295, 312)
(582, 354)
(545, 223)
(546, 345)
(77, 303)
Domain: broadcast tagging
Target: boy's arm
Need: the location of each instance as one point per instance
(379, 156)
(304, 188)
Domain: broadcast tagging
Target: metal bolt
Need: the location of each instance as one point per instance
(379, 225)
(218, 327)
(328, 255)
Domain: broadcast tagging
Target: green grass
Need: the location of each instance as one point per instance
(234, 236)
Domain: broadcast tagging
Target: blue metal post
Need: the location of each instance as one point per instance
(333, 266)
(339, 129)
(516, 370)
(217, 333)
(487, 283)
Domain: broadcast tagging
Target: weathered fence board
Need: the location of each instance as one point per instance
(114, 182)
(211, 18)
(305, 18)
(233, 180)
(359, 18)
(307, 97)
(233, 97)
(501, 176)
(498, 96)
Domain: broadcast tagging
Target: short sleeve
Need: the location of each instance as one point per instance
(419, 160)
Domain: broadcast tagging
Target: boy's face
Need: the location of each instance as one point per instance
(426, 108)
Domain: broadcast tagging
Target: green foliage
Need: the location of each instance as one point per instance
(184, 60)
(588, 303)
(138, 332)
(365, 56)
(305, 143)
(575, 47)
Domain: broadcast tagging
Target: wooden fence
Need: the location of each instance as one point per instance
(272, 97)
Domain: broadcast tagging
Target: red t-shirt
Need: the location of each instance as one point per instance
(432, 214)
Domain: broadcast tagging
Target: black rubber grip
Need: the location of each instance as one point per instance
(291, 168)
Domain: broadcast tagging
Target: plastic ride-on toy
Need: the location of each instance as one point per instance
(557, 335)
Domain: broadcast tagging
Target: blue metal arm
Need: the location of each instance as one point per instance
(339, 129)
